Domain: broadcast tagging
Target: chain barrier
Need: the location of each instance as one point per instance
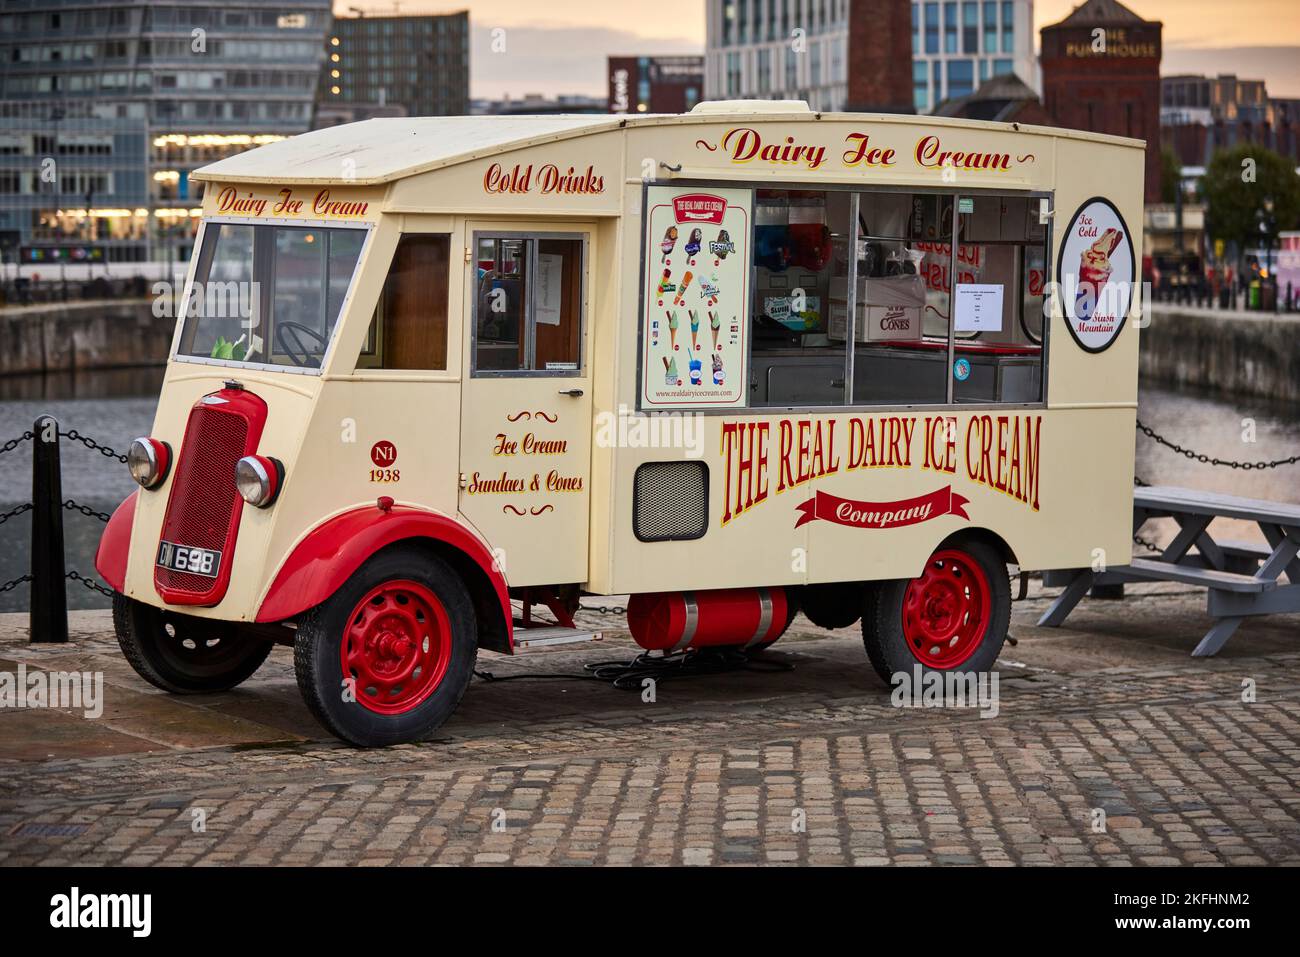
(90, 583)
(1212, 460)
(15, 512)
(14, 443)
(71, 576)
(1147, 544)
(88, 442)
(603, 609)
(14, 583)
(86, 510)
(1204, 460)
(68, 504)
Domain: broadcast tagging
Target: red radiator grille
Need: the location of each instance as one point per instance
(204, 508)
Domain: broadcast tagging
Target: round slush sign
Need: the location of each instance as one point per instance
(1097, 269)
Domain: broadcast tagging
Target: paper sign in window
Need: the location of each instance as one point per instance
(979, 308)
(550, 282)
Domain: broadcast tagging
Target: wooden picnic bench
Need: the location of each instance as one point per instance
(1242, 578)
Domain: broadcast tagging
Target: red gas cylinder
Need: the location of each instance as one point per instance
(743, 617)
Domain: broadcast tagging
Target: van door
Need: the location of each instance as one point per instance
(526, 403)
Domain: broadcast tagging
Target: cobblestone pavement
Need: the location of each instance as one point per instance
(812, 765)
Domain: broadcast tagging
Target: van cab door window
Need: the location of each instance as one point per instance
(528, 304)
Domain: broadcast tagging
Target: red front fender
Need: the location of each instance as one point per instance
(332, 551)
(115, 544)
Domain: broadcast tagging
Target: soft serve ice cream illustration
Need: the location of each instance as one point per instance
(1094, 273)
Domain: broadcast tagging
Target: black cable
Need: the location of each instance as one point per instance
(489, 676)
(628, 675)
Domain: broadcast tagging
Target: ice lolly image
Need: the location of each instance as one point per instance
(1094, 272)
(669, 243)
(663, 282)
(715, 324)
(693, 244)
(681, 292)
(695, 329)
(672, 328)
(722, 245)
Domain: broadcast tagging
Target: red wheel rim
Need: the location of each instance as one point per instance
(396, 646)
(946, 610)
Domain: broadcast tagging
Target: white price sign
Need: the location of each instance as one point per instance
(979, 307)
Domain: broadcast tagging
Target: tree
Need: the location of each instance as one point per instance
(1171, 176)
(1247, 185)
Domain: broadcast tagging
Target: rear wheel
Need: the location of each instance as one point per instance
(952, 617)
(184, 654)
(387, 658)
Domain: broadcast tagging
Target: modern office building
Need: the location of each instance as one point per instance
(752, 49)
(420, 63)
(654, 84)
(106, 108)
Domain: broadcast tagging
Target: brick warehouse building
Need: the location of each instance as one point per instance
(1111, 87)
(880, 70)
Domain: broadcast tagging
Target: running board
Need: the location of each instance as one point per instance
(527, 638)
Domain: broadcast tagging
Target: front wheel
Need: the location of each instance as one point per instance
(184, 654)
(953, 617)
(387, 658)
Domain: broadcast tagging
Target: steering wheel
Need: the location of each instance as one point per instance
(297, 330)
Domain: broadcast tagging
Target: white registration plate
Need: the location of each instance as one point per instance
(186, 558)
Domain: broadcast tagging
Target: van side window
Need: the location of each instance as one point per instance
(528, 304)
(896, 291)
(409, 329)
(1001, 261)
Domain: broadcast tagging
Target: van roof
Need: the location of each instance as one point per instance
(391, 148)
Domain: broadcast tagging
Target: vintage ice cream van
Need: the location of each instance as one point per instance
(432, 374)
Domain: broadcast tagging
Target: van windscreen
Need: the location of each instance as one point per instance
(268, 295)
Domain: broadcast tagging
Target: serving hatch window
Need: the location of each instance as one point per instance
(268, 295)
(844, 298)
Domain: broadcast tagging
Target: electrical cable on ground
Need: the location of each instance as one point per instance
(629, 675)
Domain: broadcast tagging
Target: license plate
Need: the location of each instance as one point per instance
(186, 558)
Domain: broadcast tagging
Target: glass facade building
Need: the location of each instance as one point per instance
(106, 108)
(753, 50)
(418, 62)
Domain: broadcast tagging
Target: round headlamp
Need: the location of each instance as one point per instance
(258, 479)
(149, 459)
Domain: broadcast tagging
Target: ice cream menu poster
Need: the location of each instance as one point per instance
(696, 297)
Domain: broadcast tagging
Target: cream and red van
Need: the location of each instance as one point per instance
(734, 363)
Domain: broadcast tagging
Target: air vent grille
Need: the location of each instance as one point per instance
(670, 501)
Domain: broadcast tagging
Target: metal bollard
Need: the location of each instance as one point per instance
(49, 591)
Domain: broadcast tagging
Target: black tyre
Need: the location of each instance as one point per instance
(183, 654)
(387, 658)
(953, 617)
(832, 605)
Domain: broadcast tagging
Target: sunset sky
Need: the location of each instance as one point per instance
(562, 50)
